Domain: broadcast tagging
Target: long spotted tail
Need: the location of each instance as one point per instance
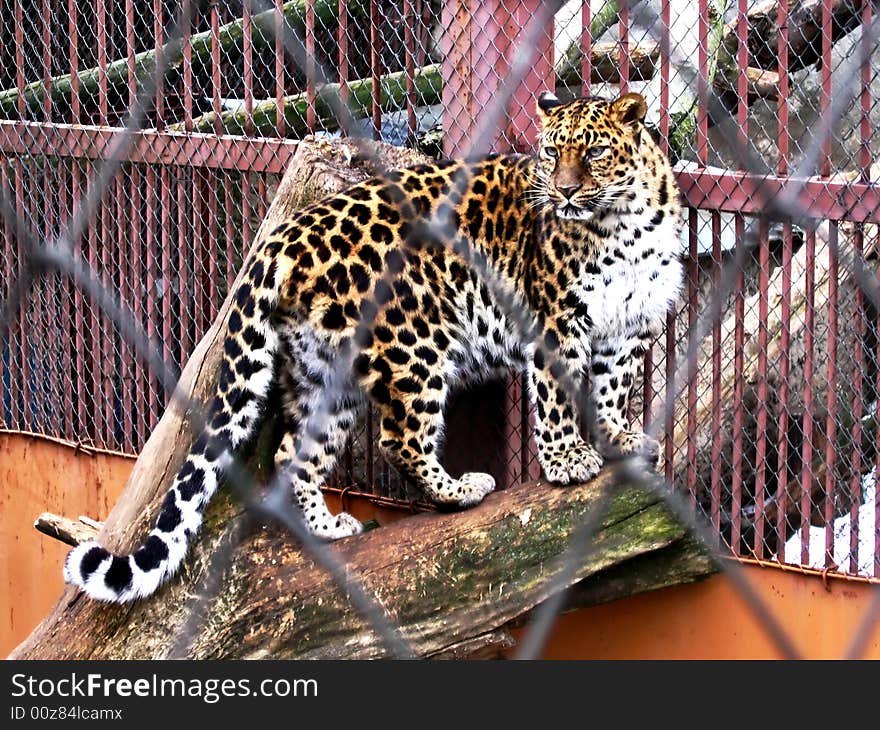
(235, 415)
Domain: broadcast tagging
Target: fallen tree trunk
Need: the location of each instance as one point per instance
(804, 26)
(229, 36)
(428, 87)
(454, 583)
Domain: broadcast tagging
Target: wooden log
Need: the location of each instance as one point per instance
(452, 581)
(393, 91)
(229, 37)
(804, 31)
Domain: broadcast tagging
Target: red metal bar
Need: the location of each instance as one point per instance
(691, 469)
(665, 17)
(855, 486)
(16, 374)
(73, 60)
(783, 138)
(703, 84)
(6, 260)
(151, 207)
(229, 207)
(261, 197)
(376, 67)
(185, 244)
(248, 69)
(165, 148)
(24, 326)
(167, 274)
(761, 445)
(216, 80)
(213, 244)
(246, 232)
(750, 194)
(586, 49)
(107, 334)
(409, 41)
(865, 100)
(311, 120)
(47, 59)
(342, 57)
(738, 388)
(807, 447)
(825, 97)
(715, 477)
(625, 61)
(203, 258)
(515, 465)
(138, 301)
(783, 471)
(877, 464)
(742, 62)
(129, 47)
(159, 34)
(669, 444)
(46, 193)
(125, 278)
(280, 76)
(19, 58)
(185, 34)
(865, 133)
(831, 398)
(95, 332)
(102, 29)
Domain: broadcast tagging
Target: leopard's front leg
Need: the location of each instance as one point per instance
(616, 365)
(563, 454)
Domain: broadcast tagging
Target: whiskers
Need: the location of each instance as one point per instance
(537, 194)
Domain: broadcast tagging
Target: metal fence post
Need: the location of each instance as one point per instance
(479, 44)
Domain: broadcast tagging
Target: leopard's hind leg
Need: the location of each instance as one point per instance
(411, 415)
(319, 416)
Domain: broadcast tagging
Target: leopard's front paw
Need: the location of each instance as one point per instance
(633, 443)
(570, 466)
(471, 488)
(337, 527)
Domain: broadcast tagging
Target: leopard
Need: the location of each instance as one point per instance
(561, 264)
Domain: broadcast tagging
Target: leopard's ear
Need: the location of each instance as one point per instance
(629, 109)
(547, 101)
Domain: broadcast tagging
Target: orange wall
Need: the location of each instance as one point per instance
(41, 476)
(707, 620)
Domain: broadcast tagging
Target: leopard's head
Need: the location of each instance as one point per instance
(587, 153)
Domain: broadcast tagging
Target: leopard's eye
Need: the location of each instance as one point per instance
(551, 152)
(595, 152)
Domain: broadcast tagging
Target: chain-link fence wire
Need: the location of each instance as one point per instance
(689, 313)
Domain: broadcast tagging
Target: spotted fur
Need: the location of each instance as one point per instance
(583, 236)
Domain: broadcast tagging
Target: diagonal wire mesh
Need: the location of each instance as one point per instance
(764, 386)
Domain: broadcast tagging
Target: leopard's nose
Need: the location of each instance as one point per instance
(568, 190)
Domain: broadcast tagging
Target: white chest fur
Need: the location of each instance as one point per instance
(635, 279)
